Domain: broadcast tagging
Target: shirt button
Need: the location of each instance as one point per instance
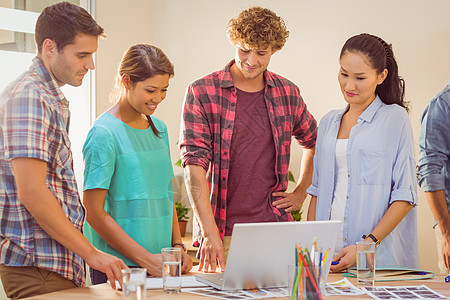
(345, 239)
(226, 152)
(347, 197)
(233, 104)
(348, 175)
(223, 178)
(345, 218)
(229, 126)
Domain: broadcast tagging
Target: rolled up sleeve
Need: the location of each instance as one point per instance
(404, 183)
(434, 146)
(195, 135)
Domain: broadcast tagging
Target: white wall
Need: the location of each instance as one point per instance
(192, 34)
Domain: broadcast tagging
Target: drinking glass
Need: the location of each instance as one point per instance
(365, 263)
(171, 258)
(134, 283)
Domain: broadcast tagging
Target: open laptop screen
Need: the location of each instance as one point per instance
(260, 253)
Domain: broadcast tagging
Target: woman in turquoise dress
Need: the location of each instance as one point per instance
(128, 172)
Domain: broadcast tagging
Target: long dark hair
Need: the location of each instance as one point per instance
(140, 62)
(380, 55)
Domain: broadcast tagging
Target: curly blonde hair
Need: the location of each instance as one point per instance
(258, 28)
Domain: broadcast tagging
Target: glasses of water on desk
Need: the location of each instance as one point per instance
(365, 263)
(171, 270)
(134, 283)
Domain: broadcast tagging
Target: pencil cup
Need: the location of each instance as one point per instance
(171, 259)
(365, 263)
(134, 283)
(303, 283)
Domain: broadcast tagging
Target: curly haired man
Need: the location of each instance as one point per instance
(236, 135)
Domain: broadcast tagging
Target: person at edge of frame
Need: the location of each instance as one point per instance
(433, 172)
(41, 242)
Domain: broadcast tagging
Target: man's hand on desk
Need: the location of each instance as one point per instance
(446, 247)
(211, 254)
(108, 264)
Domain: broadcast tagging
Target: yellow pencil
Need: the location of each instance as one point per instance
(325, 257)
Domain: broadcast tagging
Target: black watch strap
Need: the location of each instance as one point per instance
(181, 245)
(373, 238)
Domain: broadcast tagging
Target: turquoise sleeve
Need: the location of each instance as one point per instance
(99, 157)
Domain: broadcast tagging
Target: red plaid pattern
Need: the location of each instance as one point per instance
(208, 122)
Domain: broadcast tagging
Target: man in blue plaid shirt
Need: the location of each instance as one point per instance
(41, 217)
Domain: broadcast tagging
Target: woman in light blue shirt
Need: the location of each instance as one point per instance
(364, 168)
(128, 172)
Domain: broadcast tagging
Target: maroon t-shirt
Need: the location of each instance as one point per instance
(252, 163)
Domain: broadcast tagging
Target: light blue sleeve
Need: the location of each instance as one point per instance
(434, 144)
(404, 187)
(99, 157)
(324, 124)
(313, 188)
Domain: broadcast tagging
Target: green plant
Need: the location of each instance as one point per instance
(297, 214)
(181, 211)
(178, 163)
(291, 177)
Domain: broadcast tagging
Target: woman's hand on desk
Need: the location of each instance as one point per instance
(186, 262)
(153, 264)
(346, 258)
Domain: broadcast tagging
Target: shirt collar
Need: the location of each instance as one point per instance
(226, 80)
(49, 82)
(368, 114)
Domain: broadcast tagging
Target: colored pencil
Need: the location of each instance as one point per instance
(309, 274)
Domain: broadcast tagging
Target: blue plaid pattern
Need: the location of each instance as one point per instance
(34, 119)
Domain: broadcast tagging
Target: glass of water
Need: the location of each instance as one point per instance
(365, 263)
(134, 283)
(171, 259)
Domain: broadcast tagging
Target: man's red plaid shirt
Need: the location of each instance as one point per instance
(207, 126)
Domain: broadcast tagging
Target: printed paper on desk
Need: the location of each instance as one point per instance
(240, 294)
(186, 282)
(154, 283)
(403, 292)
(342, 287)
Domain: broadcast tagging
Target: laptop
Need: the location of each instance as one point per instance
(260, 253)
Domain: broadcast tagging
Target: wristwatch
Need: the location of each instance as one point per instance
(181, 245)
(372, 237)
